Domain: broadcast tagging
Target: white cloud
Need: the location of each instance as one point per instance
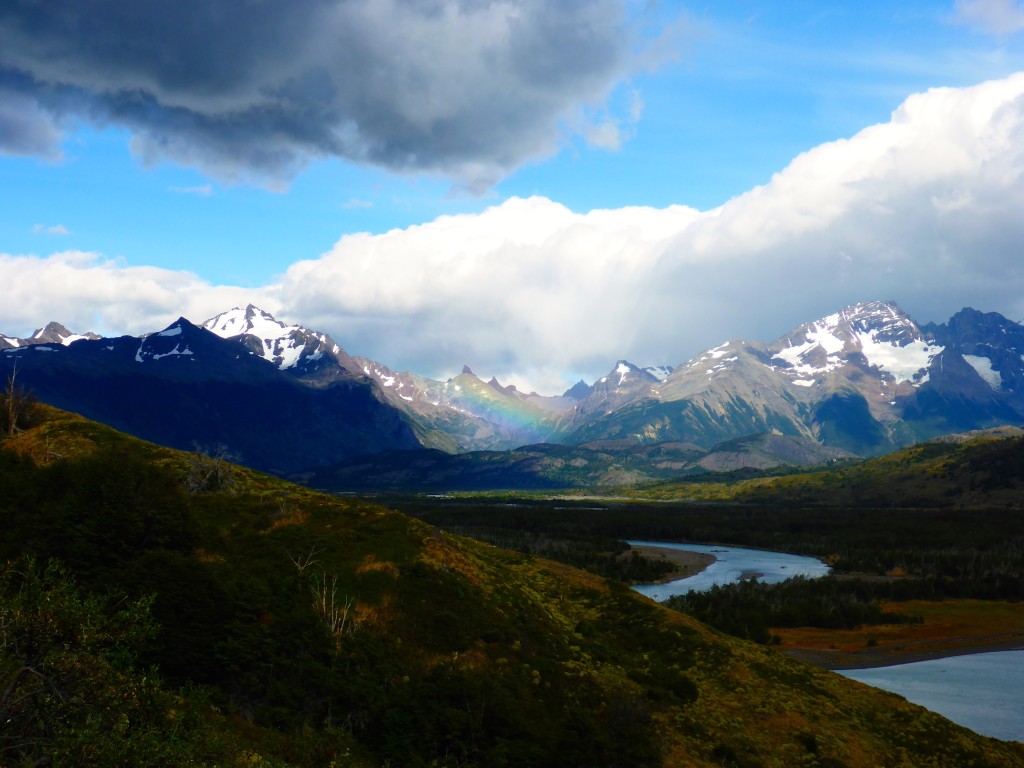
(924, 209)
(84, 291)
(57, 229)
(997, 17)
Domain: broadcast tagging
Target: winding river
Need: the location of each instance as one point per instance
(984, 692)
(731, 564)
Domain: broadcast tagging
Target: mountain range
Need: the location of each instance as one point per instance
(287, 399)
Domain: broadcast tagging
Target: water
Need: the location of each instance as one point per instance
(983, 691)
(732, 565)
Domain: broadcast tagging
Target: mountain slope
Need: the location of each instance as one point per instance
(184, 386)
(545, 466)
(466, 413)
(51, 333)
(435, 649)
(983, 468)
(865, 379)
(463, 413)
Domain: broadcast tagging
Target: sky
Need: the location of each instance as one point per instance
(532, 189)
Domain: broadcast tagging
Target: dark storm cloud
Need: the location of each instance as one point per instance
(248, 88)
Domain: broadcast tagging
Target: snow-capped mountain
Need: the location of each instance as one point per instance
(466, 413)
(624, 384)
(878, 338)
(184, 386)
(51, 333)
(292, 348)
(460, 414)
(865, 378)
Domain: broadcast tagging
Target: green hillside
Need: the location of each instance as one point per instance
(209, 615)
(981, 470)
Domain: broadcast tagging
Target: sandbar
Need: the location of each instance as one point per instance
(686, 563)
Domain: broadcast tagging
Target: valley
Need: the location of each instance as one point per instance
(524, 661)
(495, 583)
(509, 384)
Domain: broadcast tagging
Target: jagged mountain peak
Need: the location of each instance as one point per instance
(286, 346)
(578, 391)
(623, 372)
(246, 320)
(509, 389)
(181, 340)
(878, 333)
(54, 333)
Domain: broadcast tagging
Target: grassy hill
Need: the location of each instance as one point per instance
(986, 470)
(288, 627)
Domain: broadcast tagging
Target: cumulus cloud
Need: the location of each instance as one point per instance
(85, 291)
(923, 209)
(252, 91)
(997, 17)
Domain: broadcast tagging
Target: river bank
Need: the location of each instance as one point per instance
(947, 628)
(687, 563)
(870, 658)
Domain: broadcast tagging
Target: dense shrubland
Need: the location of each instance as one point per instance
(907, 554)
(261, 624)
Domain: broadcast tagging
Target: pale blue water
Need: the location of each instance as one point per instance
(733, 564)
(983, 691)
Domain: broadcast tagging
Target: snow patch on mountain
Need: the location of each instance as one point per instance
(660, 372)
(819, 335)
(903, 363)
(719, 351)
(888, 340)
(286, 346)
(983, 366)
(51, 333)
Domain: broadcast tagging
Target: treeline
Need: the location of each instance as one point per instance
(750, 609)
(914, 554)
(955, 552)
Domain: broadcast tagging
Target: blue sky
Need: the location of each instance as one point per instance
(692, 104)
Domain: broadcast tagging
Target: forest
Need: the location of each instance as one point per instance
(877, 554)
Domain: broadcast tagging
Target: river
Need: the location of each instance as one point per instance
(731, 564)
(984, 691)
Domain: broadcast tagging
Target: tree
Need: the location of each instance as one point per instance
(66, 675)
(17, 406)
(209, 472)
